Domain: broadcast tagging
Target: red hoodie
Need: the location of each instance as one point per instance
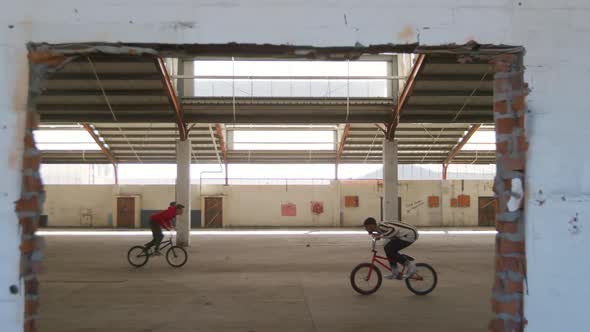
(165, 217)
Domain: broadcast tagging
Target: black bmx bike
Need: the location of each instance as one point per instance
(176, 256)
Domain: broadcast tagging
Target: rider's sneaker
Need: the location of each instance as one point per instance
(157, 253)
(410, 268)
(395, 274)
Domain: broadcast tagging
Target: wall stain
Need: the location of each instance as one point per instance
(182, 25)
(19, 103)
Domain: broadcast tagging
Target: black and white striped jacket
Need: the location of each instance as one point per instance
(397, 230)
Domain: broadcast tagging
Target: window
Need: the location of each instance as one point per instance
(64, 139)
(331, 79)
(304, 140)
(481, 140)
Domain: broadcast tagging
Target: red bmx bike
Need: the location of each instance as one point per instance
(366, 278)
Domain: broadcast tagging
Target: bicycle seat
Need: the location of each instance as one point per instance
(408, 257)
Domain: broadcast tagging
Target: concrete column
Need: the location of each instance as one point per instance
(183, 191)
(390, 180)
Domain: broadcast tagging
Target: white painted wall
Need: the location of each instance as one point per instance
(68, 203)
(260, 206)
(463, 216)
(13, 87)
(555, 34)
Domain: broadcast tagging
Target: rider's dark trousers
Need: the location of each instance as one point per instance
(157, 234)
(392, 250)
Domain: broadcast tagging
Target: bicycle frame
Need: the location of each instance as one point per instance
(379, 260)
(164, 244)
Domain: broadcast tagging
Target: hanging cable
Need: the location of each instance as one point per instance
(372, 144)
(99, 82)
(458, 112)
(233, 86)
(348, 90)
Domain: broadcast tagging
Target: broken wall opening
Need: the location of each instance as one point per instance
(511, 146)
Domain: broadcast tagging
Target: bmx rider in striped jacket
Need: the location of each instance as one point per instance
(397, 236)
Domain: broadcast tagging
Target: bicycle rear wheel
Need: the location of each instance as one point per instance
(176, 256)
(362, 282)
(423, 281)
(137, 256)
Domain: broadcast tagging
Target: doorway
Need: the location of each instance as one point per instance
(213, 212)
(125, 212)
(486, 214)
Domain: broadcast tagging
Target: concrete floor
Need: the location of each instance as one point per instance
(259, 283)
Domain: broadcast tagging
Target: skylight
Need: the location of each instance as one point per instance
(481, 140)
(291, 78)
(305, 140)
(65, 140)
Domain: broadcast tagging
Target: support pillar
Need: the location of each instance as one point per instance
(183, 191)
(390, 181)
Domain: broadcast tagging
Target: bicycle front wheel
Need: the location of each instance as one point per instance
(423, 281)
(176, 256)
(137, 256)
(366, 278)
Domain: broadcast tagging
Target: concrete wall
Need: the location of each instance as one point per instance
(70, 202)
(260, 206)
(555, 34)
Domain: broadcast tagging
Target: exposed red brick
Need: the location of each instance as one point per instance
(30, 268)
(517, 81)
(502, 147)
(31, 204)
(29, 141)
(512, 264)
(507, 286)
(510, 247)
(503, 63)
(497, 325)
(511, 157)
(27, 246)
(32, 121)
(518, 103)
(502, 86)
(32, 184)
(501, 107)
(500, 325)
(33, 163)
(508, 185)
(522, 144)
(29, 225)
(30, 245)
(505, 125)
(512, 164)
(507, 227)
(510, 308)
(30, 326)
(31, 306)
(32, 286)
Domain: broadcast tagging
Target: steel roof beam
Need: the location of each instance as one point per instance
(405, 96)
(104, 150)
(458, 148)
(170, 91)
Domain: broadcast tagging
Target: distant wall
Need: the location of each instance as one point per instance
(260, 205)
